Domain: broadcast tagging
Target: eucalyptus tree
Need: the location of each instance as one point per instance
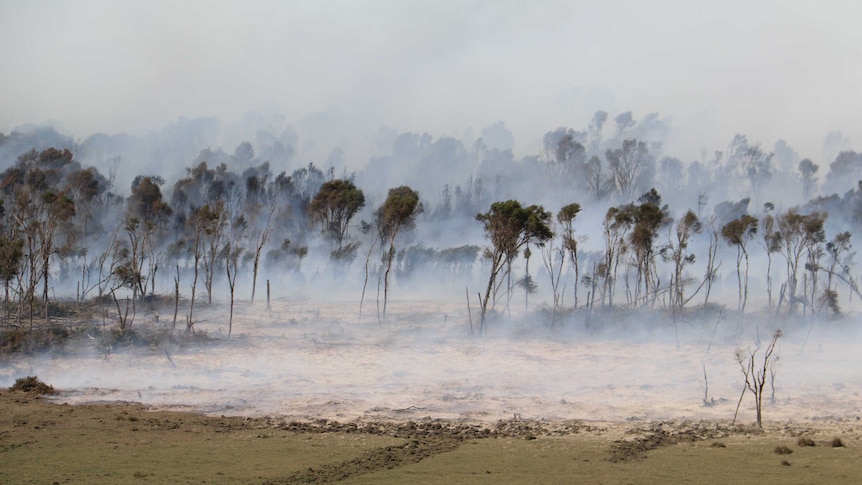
(738, 233)
(648, 216)
(676, 251)
(11, 255)
(631, 167)
(146, 215)
(233, 249)
(333, 207)
(510, 227)
(808, 170)
(205, 228)
(566, 217)
(771, 242)
(616, 225)
(397, 214)
(839, 250)
(799, 233)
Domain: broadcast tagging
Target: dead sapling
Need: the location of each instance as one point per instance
(755, 374)
(707, 401)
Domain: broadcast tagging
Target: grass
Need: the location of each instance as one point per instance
(42, 442)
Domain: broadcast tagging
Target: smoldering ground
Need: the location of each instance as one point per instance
(315, 360)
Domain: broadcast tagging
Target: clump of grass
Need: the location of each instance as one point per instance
(32, 385)
(837, 443)
(783, 450)
(719, 444)
(805, 441)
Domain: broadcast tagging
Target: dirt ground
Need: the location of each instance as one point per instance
(45, 442)
(310, 393)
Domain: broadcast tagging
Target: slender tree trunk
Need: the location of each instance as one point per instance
(365, 283)
(191, 322)
(389, 259)
(176, 298)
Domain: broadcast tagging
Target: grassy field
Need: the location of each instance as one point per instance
(42, 442)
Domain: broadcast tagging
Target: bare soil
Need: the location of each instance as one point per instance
(308, 393)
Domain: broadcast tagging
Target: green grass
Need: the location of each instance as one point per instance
(42, 442)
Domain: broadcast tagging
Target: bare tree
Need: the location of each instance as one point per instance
(554, 259)
(631, 167)
(261, 240)
(755, 374)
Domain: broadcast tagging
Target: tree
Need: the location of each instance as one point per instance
(808, 169)
(11, 255)
(206, 226)
(757, 165)
(397, 213)
(596, 125)
(596, 182)
(648, 218)
(262, 237)
(631, 167)
(814, 237)
(755, 375)
(150, 212)
(146, 201)
(566, 217)
(839, 250)
(711, 266)
(617, 223)
(233, 248)
(799, 232)
(844, 171)
(510, 227)
(676, 251)
(771, 244)
(214, 220)
(334, 206)
(738, 233)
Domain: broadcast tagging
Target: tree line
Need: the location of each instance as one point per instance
(63, 222)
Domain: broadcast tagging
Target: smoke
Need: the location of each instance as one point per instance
(443, 67)
(251, 109)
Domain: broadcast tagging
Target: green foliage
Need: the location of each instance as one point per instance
(146, 199)
(334, 206)
(509, 226)
(11, 253)
(739, 231)
(31, 385)
(398, 212)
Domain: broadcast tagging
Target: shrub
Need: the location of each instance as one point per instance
(32, 385)
(803, 441)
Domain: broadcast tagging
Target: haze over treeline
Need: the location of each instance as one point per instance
(601, 217)
(574, 154)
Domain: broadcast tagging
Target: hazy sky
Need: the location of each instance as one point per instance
(767, 69)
